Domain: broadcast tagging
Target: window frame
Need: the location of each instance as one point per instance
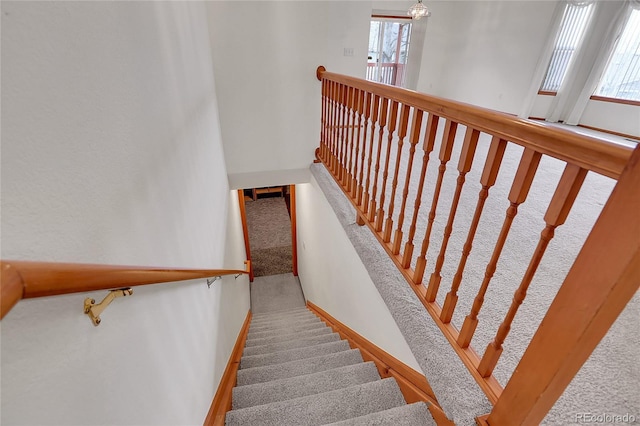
(601, 98)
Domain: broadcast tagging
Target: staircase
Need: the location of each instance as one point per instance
(295, 371)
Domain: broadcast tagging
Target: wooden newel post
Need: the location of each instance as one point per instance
(319, 71)
(602, 280)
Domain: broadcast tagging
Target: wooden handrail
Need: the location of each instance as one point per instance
(25, 279)
(606, 158)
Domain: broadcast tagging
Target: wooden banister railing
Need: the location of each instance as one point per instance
(370, 139)
(24, 280)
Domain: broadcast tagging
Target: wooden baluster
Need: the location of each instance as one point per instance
(323, 123)
(343, 128)
(391, 127)
(381, 123)
(334, 127)
(488, 179)
(557, 212)
(429, 141)
(464, 165)
(327, 118)
(446, 146)
(354, 180)
(354, 141)
(518, 194)
(416, 124)
(366, 106)
(402, 132)
(374, 118)
(346, 177)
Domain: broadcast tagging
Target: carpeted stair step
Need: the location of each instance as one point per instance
(406, 415)
(282, 312)
(291, 344)
(287, 328)
(283, 315)
(288, 336)
(252, 361)
(284, 318)
(298, 367)
(323, 408)
(283, 323)
(298, 386)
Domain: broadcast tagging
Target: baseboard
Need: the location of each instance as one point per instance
(222, 400)
(414, 385)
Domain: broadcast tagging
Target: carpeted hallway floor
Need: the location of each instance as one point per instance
(269, 236)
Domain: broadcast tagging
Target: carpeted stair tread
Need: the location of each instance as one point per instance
(291, 309)
(323, 408)
(289, 327)
(299, 386)
(280, 357)
(406, 415)
(281, 314)
(291, 344)
(284, 318)
(270, 325)
(299, 367)
(289, 336)
(265, 314)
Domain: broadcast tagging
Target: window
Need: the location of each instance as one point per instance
(388, 50)
(572, 29)
(621, 78)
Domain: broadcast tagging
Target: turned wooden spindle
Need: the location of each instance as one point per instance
(334, 126)
(381, 124)
(488, 179)
(374, 119)
(464, 165)
(557, 212)
(402, 133)
(344, 118)
(416, 124)
(358, 123)
(366, 111)
(391, 127)
(446, 147)
(348, 163)
(518, 194)
(429, 140)
(323, 115)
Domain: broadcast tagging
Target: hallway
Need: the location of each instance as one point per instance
(269, 236)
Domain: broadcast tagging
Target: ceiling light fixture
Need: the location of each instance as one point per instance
(418, 11)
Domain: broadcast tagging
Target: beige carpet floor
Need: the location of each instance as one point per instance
(269, 236)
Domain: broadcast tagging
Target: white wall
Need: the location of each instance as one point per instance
(334, 278)
(484, 52)
(618, 117)
(111, 153)
(265, 55)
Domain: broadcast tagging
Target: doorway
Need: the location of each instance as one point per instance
(388, 50)
(269, 225)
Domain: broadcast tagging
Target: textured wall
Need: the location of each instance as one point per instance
(334, 278)
(111, 153)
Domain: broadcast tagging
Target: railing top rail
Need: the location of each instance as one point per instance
(604, 157)
(25, 279)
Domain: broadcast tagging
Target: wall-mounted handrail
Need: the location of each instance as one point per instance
(25, 279)
(376, 141)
